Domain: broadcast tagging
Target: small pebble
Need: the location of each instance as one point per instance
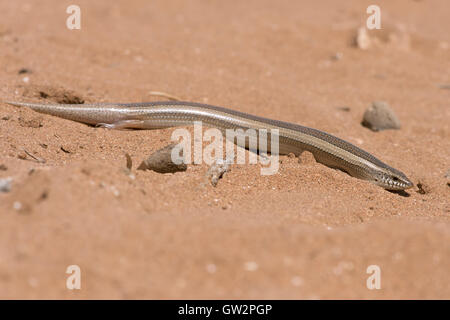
(379, 116)
(17, 205)
(114, 191)
(217, 170)
(251, 266)
(297, 281)
(447, 175)
(22, 155)
(211, 268)
(161, 161)
(5, 185)
(337, 56)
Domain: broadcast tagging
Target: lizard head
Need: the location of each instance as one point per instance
(391, 179)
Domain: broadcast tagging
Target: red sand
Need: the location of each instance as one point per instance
(307, 232)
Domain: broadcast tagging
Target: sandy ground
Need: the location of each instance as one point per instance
(308, 232)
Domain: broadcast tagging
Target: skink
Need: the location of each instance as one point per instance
(326, 148)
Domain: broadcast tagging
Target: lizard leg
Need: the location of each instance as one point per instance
(135, 124)
(123, 124)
